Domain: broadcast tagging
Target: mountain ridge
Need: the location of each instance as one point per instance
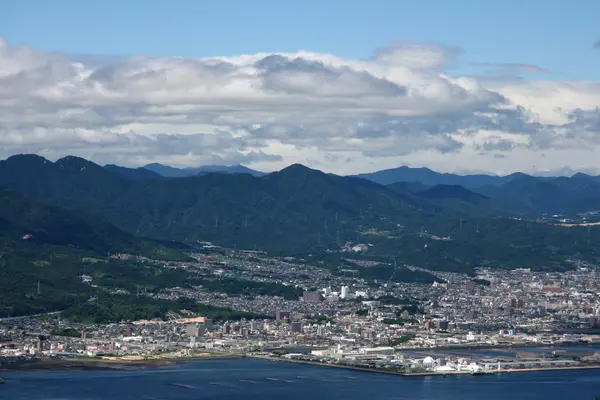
(299, 210)
(173, 172)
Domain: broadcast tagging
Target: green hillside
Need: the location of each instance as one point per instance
(44, 251)
(299, 210)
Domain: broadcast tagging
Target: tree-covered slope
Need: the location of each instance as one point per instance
(300, 210)
(44, 251)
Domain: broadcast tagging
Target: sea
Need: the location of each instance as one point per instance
(263, 379)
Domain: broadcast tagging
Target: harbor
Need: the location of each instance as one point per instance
(431, 373)
(443, 362)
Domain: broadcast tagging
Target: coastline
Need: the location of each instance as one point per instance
(425, 373)
(117, 363)
(89, 363)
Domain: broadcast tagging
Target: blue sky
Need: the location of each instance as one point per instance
(554, 34)
(457, 86)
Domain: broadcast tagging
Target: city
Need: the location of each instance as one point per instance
(498, 320)
(391, 200)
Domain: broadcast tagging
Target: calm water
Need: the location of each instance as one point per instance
(247, 379)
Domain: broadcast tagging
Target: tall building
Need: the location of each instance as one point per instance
(320, 330)
(208, 324)
(344, 293)
(283, 316)
(195, 330)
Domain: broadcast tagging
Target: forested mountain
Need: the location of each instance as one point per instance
(547, 195)
(299, 210)
(172, 172)
(515, 194)
(432, 178)
(44, 250)
(133, 173)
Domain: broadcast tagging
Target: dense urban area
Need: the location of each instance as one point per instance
(285, 309)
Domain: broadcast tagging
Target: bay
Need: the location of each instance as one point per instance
(259, 379)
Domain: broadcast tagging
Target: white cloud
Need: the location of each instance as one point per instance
(269, 110)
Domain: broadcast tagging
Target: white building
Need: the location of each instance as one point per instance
(383, 350)
(344, 293)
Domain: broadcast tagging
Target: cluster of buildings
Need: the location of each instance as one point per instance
(343, 318)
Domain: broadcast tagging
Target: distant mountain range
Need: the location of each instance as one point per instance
(171, 172)
(432, 178)
(299, 210)
(516, 194)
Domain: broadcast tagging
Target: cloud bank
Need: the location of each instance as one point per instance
(400, 106)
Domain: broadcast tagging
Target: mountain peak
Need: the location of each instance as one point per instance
(75, 163)
(581, 175)
(152, 165)
(25, 158)
(298, 169)
(296, 166)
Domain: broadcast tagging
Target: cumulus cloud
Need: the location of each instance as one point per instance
(271, 109)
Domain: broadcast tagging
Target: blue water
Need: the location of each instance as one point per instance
(247, 379)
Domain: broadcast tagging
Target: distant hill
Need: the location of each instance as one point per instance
(171, 172)
(432, 178)
(137, 174)
(299, 210)
(548, 195)
(514, 194)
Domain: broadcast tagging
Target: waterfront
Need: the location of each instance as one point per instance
(254, 379)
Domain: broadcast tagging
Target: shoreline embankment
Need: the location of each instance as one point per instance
(426, 373)
(95, 363)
